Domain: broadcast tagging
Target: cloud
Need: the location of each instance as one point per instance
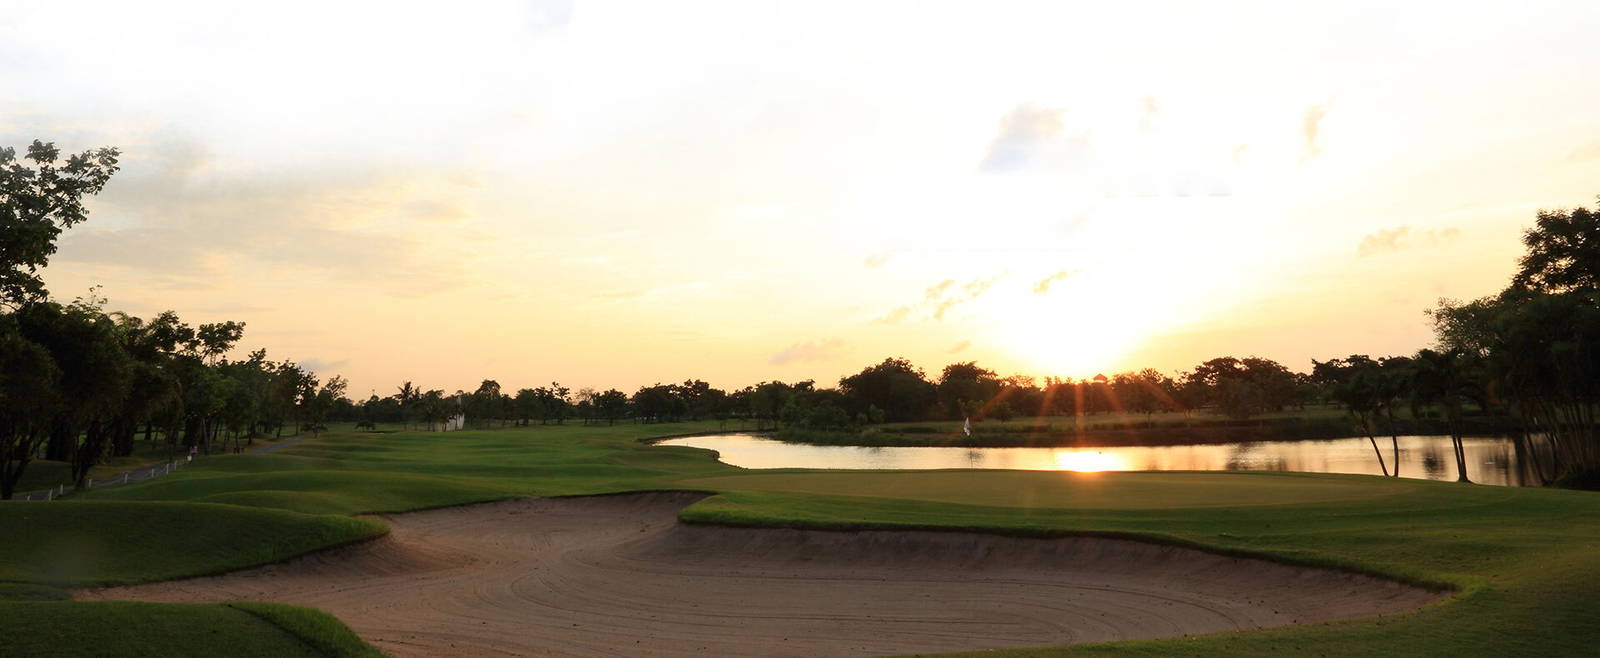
(322, 367)
(1396, 239)
(941, 298)
(433, 210)
(895, 316)
(620, 295)
(1589, 152)
(1031, 136)
(1151, 114)
(877, 260)
(1043, 286)
(1310, 127)
(173, 216)
(818, 350)
(959, 347)
(969, 291)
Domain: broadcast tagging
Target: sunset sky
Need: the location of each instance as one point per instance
(615, 194)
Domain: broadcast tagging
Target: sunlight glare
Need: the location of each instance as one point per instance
(1089, 461)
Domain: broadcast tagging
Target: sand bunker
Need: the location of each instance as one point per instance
(617, 575)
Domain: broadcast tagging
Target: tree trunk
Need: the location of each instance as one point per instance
(1378, 452)
(62, 436)
(1395, 440)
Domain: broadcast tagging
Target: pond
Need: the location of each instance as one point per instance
(1489, 460)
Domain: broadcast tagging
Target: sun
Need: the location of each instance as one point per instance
(1074, 331)
(1089, 461)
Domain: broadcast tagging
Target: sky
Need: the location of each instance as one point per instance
(614, 194)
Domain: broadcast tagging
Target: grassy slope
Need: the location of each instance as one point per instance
(79, 543)
(74, 628)
(1525, 558)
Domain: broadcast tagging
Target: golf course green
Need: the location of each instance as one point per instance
(1523, 563)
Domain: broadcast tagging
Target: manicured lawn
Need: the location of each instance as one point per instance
(1526, 561)
(1067, 490)
(375, 473)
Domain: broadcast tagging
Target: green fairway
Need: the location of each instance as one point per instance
(374, 473)
(1523, 559)
(1065, 489)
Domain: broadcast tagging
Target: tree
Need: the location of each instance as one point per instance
(39, 198)
(528, 405)
(1442, 379)
(1563, 252)
(484, 403)
(29, 395)
(407, 396)
(767, 401)
(95, 375)
(324, 400)
(895, 386)
(611, 405)
(963, 383)
(1357, 384)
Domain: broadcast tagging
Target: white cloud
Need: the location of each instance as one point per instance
(817, 350)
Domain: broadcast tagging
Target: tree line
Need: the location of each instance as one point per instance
(78, 383)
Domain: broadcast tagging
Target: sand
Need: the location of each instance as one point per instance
(617, 575)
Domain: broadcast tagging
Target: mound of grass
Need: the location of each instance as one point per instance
(322, 631)
(83, 543)
(75, 628)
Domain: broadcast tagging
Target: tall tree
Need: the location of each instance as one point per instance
(1563, 252)
(895, 386)
(1443, 379)
(40, 196)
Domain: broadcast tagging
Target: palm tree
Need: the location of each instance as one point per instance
(408, 394)
(1359, 393)
(1442, 379)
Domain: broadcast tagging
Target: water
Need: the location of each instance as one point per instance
(1489, 460)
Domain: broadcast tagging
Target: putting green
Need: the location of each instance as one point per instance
(1060, 489)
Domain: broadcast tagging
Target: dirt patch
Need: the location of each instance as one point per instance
(617, 575)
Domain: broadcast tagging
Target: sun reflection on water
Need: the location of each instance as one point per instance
(1090, 461)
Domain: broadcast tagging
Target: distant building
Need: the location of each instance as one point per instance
(455, 422)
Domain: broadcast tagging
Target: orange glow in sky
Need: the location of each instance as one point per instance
(616, 194)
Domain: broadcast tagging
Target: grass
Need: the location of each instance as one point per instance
(325, 633)
(44, 474)
(1524, 560)
(1063, 490)
(91, 543)
(75, 628)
